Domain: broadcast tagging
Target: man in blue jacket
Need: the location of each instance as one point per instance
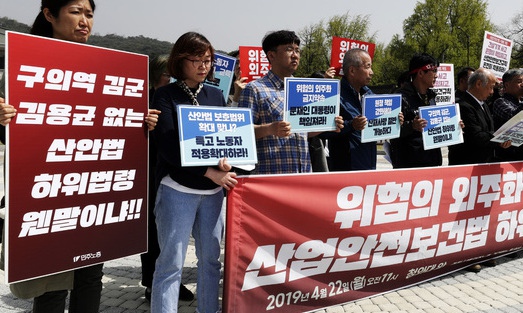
(346, 151)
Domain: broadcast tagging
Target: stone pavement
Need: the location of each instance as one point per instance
(494, 289)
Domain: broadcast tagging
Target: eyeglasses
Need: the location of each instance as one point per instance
(290, 50)
(199, 63)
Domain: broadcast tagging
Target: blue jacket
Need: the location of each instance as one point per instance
(346, 151)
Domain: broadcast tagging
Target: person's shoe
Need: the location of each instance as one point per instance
(148, 294)
(476, 268)
(490, 263)
(185, 294)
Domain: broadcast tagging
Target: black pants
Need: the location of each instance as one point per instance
(85, 296)
(148, 259)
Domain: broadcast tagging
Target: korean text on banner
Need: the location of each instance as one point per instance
(76, 156)
(311, 105)
(298, 243)
(253, 63)
(442, 126)
(341, 45)
(223, 73)
(382, 113)
(444, 85)
(496, 53)
(208, 134)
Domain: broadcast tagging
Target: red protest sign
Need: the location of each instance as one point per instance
(341, 45)
(76, 155)
(298, 243)
(253, 63)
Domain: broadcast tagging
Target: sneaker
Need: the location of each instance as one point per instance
(185, 294)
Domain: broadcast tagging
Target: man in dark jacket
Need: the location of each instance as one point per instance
(407, 151)
(479, 124)
(346, 151)
(479, 129)
(506, 107)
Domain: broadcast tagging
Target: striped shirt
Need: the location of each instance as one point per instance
(276, 155)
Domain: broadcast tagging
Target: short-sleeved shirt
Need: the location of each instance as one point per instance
(276, 155)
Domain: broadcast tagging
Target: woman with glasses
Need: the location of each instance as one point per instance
(69, 20)
(189, 199)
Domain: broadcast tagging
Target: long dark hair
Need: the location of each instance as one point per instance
(41, 26)
(188, 44)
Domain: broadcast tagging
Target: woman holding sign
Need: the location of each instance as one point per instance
(69, 20)
(189, 199)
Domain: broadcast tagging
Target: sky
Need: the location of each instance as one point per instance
(232, 23)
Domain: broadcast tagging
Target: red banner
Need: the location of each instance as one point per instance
(341, 45)
(299, 243)
(253, 63)
(76, 188)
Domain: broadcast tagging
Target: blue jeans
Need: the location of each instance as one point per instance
(177, 214)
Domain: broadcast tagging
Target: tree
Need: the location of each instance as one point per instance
(13, 25)
(389, 62)
(515, 32)
(316, 40)
(450, 30)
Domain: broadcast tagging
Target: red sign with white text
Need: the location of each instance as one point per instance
(253, 63)
(76, 156)
(341, 45)
(298, 243)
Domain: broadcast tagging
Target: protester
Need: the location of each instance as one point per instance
(479, 124)
(158, 77)
(402, 81)
(508, 106)
(69, 20)
(189, 199)
(239, 82)
(479, 129)
(279, 150)
(346, 151)
(407, 151)
(462, 82)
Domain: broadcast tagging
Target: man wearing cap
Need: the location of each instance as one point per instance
(407, 150)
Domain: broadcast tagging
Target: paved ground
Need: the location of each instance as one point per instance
(495, 289)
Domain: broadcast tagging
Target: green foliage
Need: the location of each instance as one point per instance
(13, 25)
(316, 40)
(450, 30)
(515, 32)
(137, 44)
(390, 61)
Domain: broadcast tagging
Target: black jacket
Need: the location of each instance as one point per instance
(407, 150)
(167, 140)
(479, 129)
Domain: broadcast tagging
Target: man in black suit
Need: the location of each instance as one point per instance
(478, 130)
(479, 124)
